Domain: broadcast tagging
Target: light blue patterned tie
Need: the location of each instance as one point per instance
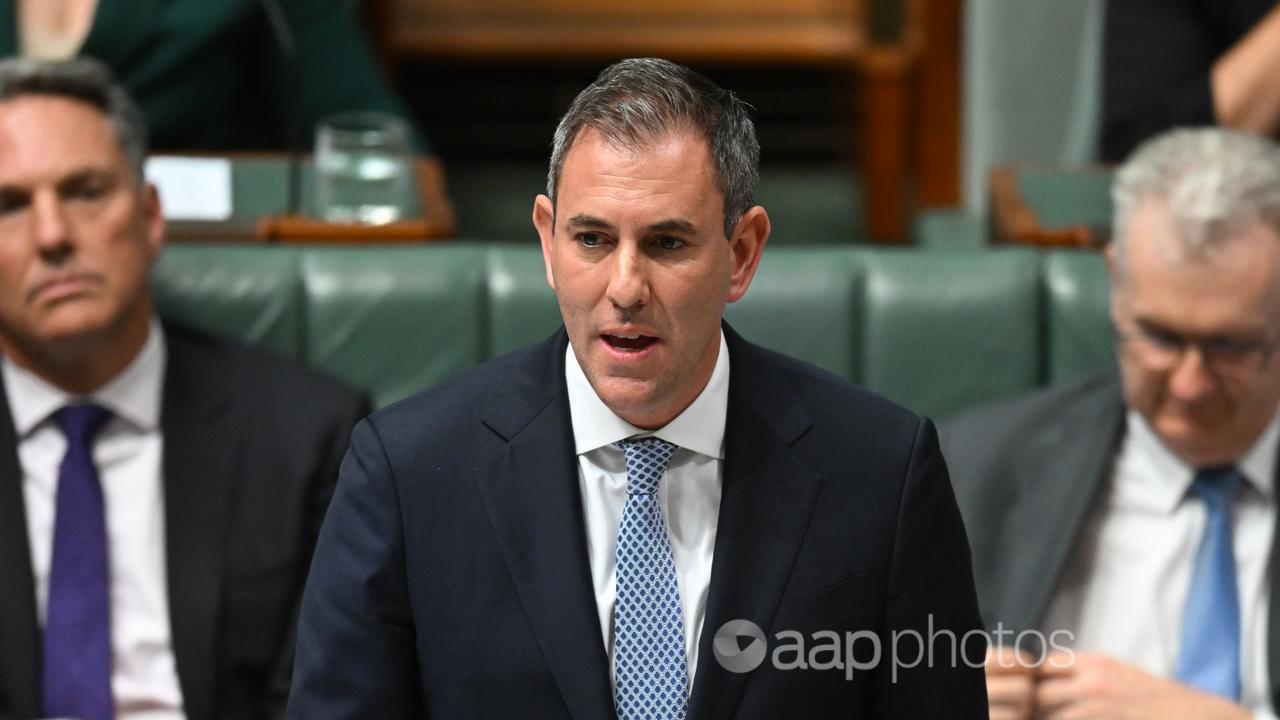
(649, 659)
(1209, 658)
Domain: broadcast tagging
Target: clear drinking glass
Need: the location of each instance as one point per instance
(362, 167)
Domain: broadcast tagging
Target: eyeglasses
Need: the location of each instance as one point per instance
(1164, 350)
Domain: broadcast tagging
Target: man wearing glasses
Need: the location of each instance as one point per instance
(1130, 520)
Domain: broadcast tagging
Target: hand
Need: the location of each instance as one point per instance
(1246, 95)
(1011, 683)
(1092, 686)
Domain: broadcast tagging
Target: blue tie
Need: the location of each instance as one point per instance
(649, 656)
(1209, 658)
(77, 629)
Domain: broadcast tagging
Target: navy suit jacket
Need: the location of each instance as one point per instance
(451, 579)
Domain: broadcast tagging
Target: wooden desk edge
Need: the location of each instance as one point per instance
(1014, 221)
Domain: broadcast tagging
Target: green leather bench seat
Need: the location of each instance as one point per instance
(395, 320)
(935, 330)
(253, 294)
(1080, 337)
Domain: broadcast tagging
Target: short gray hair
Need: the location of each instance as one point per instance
(641, 100)
(1215, 182)
(88, 81)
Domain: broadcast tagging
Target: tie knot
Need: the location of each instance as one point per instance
(647, 460)
(1217, 486)
(81, 423)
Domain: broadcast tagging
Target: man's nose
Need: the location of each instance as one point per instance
(50, 226)
(629, 283)
(1192, 378)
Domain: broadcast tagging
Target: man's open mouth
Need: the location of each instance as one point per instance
(629, 343)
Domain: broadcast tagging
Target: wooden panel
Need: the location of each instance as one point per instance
(886, 107)
(512, 10)
(791, 44)
(832, 33)
(937, 141)
(782, 30)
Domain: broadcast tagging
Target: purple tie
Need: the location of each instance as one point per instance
(77, 629)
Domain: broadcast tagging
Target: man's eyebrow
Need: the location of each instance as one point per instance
(674, 225)
(588, 221)
(1231, 333)
(1151, 325)
(89, 174)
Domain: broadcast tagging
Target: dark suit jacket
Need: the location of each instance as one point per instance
(1026, 475)
(251, 451)
(451, 578)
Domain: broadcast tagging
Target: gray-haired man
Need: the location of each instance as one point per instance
(1131, 519)
(625, 519)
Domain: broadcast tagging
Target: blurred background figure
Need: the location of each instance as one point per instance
(160, 488)
(213, 75)
(1129, 517)
(1176, 63)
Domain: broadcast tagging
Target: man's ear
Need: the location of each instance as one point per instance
(153, 218)
(544, 219)
(745, 248)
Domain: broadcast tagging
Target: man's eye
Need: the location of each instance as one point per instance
(11, 202)
(590, 239)
(668, 242)
(1163, 339)
(88, 191)
(1231, 348)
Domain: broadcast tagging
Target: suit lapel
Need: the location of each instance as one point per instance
(200, 458)
(1055, 505)
(766, 502)
(19, 627)
(532, 497)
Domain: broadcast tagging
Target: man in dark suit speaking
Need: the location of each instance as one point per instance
(593, 525)
(1132, 517)
(160, 490)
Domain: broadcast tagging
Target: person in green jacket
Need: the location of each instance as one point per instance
(211, 75)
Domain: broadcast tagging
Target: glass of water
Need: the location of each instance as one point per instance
(362, 168)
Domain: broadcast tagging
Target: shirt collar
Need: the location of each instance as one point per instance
(132, 395)
(699, 428)
(1168, 478)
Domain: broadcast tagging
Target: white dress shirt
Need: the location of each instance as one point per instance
(128, 454)
(1123, 591)
(689, 494)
